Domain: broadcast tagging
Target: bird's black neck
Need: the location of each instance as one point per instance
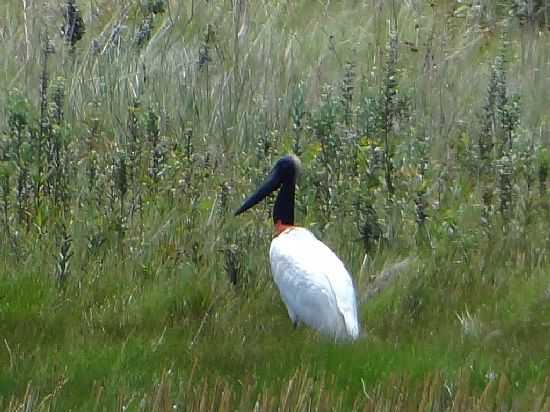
(283, 211)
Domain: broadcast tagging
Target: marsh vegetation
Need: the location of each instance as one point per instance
(131, 130)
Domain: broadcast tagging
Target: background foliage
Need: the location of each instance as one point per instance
(130, 131)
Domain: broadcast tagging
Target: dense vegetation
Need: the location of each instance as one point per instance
(130, 131)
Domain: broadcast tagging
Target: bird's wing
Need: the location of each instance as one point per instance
(313, 282)
(342, 285)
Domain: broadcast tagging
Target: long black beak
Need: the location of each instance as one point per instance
(271, 183)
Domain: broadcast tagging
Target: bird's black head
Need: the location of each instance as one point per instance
(284, 175)
(288, 168)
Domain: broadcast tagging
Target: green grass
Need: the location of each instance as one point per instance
(147, 318)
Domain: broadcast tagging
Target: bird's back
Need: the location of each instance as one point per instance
(314, 284)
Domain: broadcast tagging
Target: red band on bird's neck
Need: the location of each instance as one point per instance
(280, 227)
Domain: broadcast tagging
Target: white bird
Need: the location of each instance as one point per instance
(313, 282)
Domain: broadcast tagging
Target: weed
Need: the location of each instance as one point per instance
(348, 85)
(73, 26)
(388, 112)
(233, 266)
(63, 258)
(298, 115)
(119, 247)
(543, 169)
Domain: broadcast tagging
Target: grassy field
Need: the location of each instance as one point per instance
(131, 130)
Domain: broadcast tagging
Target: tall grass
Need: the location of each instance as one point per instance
(125, 282)
(302, 391)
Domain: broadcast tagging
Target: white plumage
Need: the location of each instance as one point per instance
(314, 284)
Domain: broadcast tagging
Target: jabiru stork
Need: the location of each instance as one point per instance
(313, 282)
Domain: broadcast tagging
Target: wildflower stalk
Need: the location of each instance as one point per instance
(44, 126)
(121, 184)
(505, 171)
(57, 162)
(63, 258)
(543, 170)
(389, 98)
(73, 26)
(348, 85)
(421, 216)
(156, 155)
(233, 266)
(5, 199)
(22, 194)
(297, 115)
(369, 227)
(189, 144)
